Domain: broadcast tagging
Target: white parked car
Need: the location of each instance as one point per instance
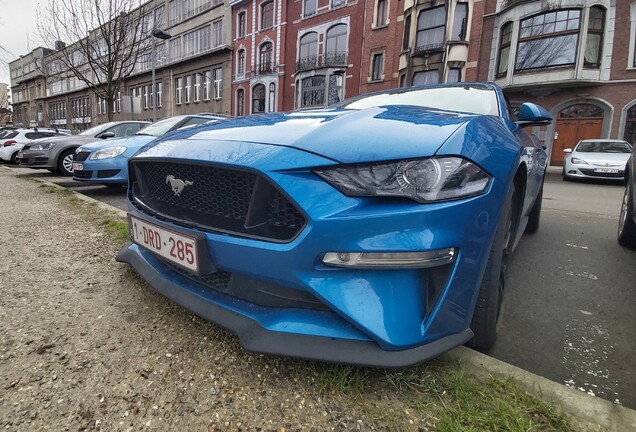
(13, 141)
(597, 158)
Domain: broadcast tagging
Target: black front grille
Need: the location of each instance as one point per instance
(107, 173)
(215, 198)
(81, 156)
(82, 174)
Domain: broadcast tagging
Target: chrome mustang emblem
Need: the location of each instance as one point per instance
(177, 185)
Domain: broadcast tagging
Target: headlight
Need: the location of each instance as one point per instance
(47, 146)
(423, 180)
(579, 161)
(108, 152)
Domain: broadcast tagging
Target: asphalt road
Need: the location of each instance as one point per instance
(570, 296)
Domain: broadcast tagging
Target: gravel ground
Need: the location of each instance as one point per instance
(86, 345)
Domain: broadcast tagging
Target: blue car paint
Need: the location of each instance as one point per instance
(132, 143)
(386, 307)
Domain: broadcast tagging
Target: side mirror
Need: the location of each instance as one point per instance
(568, 150)
(531, 114)
(107, 134)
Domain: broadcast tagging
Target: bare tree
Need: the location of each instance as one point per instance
(106, 39)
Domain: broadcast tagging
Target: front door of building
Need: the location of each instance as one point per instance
(575, 123)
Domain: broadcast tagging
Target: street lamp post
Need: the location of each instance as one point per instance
(163, 35)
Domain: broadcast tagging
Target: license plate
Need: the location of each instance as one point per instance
(78, 166)
(606, 170)
(174, 247)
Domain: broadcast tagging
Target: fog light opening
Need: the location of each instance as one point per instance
(423, 259)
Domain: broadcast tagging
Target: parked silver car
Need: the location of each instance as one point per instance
(56, 154)
(597, 158)
(627, 218)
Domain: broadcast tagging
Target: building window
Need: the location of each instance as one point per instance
(272, 97)
(431, 26)
(426, 77)
(118, 102)
(454, 75)
(406, 38)
(197, 41)
(308, 51)
(336, 49)
(313, 91)
(240, 64)
(460, 22)
(207, 85)
(188, 88)
(175, 11)
(377, 67)
(159, 95)
(217, 29)
(179, 91)
(258, 98)
(267, 14)
(380, 12)
(335, 88)
(504, 50)
(240, 102)
(197, 87)
(218, 80)
(337, 3)
(175, 49)
(630, 125)
(594, 42)
(549, 39)
(240, 25)
(309, 7)
(265, 58)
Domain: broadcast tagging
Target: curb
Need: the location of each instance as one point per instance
(586, 413)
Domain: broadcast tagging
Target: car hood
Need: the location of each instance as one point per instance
(132, 142)
(346, 136)
(602, 157)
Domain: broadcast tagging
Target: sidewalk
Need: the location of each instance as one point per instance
(84, 310)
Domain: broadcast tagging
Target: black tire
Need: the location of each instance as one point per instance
(626, 225)
(489, 307)
(14, 158)
(535, 214)
(63, 166)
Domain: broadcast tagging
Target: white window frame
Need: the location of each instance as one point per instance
(159, 94)
(631, 58)
(188, 89)
(179, 91)
(207, 85)
(218, 83)
(197, 87)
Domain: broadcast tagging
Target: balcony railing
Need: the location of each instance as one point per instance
(330, 59)
(265, 68)
(424, 49)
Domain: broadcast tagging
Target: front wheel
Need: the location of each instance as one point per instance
(489, 307)
(14, 158)
(65, 163)
(626, 225)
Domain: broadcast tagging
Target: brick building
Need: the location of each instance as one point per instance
(574, 57)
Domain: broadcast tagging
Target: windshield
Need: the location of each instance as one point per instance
(604, 147)
(97, 129)
(470, 99)
(161, 127)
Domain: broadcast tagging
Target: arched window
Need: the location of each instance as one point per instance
(630, 126)
(265, 64)
(594, 41)
(258, 98)
(308, 51)
(581, 111)
(548, 39)
(504, 49)
(336, 48)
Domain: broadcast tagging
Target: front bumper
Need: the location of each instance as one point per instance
(106, 171)
(36, 159)
(592, 172)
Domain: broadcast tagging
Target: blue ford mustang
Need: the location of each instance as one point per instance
(374, 232)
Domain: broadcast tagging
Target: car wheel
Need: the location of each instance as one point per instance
(65, 163)
(489, 307)
(535, 214)
(14, 158)
(626, 225)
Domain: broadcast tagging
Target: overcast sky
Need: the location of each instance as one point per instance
(18, 32)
